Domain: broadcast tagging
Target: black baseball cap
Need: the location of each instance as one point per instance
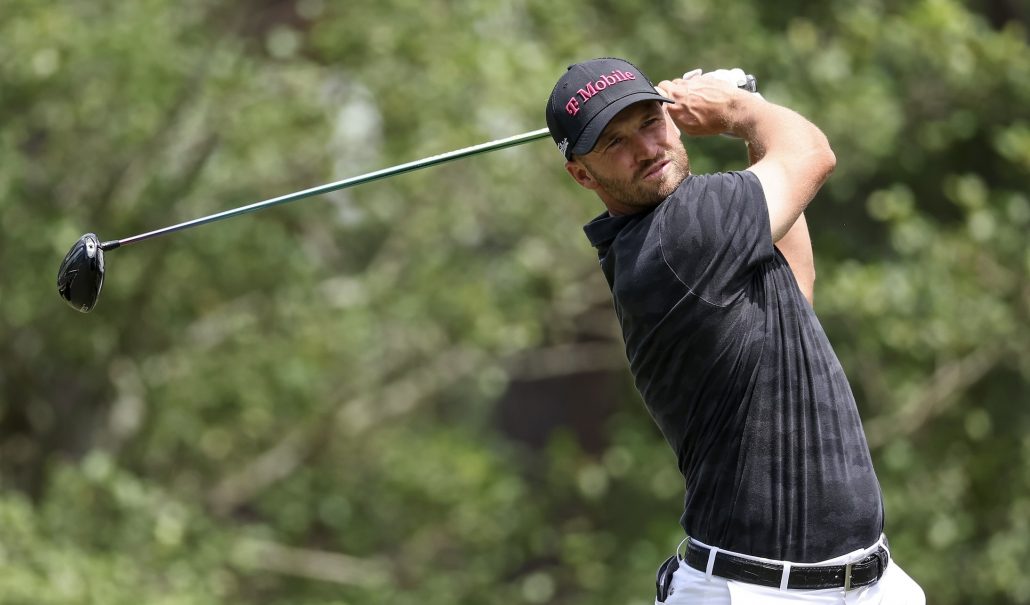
(588, 96)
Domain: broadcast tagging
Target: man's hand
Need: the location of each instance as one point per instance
(790, 156)
(706, 104)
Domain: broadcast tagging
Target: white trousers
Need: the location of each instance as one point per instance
(692, 587)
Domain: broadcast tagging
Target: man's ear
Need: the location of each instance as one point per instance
(581, 175)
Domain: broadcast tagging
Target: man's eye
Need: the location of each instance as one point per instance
(613, 142)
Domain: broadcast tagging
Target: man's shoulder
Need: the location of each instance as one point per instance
(698, 191)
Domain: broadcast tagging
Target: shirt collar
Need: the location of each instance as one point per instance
(603, 229)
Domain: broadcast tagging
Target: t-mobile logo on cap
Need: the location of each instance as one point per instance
(592, 88)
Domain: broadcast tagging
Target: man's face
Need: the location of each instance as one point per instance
(638, 161)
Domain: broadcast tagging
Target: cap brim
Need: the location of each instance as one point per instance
(594, 128)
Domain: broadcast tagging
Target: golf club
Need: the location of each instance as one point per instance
(81, 275)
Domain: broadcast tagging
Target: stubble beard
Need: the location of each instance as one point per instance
(637, 193)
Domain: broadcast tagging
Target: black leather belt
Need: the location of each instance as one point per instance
(861, 573)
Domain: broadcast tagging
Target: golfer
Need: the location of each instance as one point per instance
(712, 278)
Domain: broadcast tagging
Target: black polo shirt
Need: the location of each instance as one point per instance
(738, 374)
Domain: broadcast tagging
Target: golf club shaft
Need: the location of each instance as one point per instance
(348, 182)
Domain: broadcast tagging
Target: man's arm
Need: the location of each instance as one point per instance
(796, 247)
(794, 157)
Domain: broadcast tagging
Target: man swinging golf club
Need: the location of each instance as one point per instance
(712, 278)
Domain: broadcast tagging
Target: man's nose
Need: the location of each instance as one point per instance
(645, 146)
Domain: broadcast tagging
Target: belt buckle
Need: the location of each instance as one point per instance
(847, 577)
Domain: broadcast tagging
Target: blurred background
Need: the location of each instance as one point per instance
(415, 391)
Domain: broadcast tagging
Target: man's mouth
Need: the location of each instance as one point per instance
(656, 170)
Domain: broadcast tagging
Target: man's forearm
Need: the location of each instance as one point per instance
(767, 127)
(790, 155)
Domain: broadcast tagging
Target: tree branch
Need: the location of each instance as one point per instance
(349, 419)
(400, 396)
(939, 393)
(307, 563)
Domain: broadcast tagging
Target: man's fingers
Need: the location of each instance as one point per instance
(667, 86)
(664, 88)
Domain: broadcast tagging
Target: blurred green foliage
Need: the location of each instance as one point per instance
(314, 404)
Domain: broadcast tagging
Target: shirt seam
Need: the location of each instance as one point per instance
(668, 265)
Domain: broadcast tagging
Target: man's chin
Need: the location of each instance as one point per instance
(663, 189)
(674, 175)
(649, 198)
(644, 194)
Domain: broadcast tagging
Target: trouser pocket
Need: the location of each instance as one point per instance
(663, 580)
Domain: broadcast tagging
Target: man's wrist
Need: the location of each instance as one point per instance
(742, 113)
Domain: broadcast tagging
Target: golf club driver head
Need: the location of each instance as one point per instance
(82, 273)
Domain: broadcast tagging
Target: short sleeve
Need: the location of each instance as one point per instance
(715, 232)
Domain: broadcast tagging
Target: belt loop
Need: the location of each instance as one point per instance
(847, 577)
(785, 578)
(711, 562)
